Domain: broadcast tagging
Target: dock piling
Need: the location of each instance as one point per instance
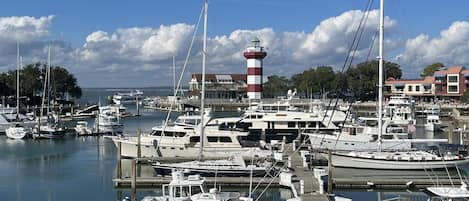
(134, 181)
(329, 167)
(119, 160)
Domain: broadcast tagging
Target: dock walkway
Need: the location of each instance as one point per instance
(311, 185)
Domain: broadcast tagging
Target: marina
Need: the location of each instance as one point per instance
(296, 122)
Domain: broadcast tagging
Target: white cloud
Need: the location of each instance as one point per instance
(24, 29)
(143, 55)
(451, 47)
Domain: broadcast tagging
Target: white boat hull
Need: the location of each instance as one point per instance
(322, 141)
(432, 127)
(17, 133)
(342, 160)
(129, 149)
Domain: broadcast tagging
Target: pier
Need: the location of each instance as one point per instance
(311, 187)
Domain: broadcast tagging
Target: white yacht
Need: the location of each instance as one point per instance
(361, 135)
(18, 132)
(180, 188)
(433, 123)
(108, 121)
(181, 140)
(401, 110)
(8, 120)
(127, 98)
(278, 120)
(82, 129)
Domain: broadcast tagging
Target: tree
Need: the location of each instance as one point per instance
(324, 78)
(363, 78)
(430, 69)
(465, 97)
(275, 85)
(32, 82)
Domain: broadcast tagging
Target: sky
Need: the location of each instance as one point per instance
(131, 43)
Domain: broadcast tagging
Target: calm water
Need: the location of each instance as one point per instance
(77, 168)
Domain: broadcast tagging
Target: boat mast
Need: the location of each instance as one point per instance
(174, 76)
(202, 96)
(18, 80)
(380, 74)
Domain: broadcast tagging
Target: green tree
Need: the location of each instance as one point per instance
(363, 78)
(465, 97)
(324, 78)
(275, 85)
(430, 69)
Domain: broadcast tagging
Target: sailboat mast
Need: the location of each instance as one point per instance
(202, 96)
(380, 74)
(48, 84)
(174, 76)
(18, 80)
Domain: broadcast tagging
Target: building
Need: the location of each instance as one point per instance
(220, 86)
(254, 55)
(447, 83)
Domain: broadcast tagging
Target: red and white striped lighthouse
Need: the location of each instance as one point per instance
(254, 55)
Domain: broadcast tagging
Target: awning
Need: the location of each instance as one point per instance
(399, 85)
(427, 85)
(466, 75)
(440, 75)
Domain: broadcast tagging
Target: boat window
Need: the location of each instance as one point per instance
(194, 139)
(196, 189)
(225, 139)
(301, 124)
(387, 137)
(312, 124)
(156, 133)
(291, 124)
(212, 139)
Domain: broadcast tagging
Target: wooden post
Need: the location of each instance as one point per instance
(139, 148)
(134, 181)
(119, 160)
(329, 177)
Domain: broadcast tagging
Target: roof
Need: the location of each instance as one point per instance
(450, 70)
(215, 77)
(426, 80)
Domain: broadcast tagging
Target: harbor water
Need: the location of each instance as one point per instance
(82, 168)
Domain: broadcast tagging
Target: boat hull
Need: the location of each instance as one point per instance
(129, 150)
(342, 160)
(166, 170)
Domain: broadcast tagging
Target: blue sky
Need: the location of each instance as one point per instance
(74, 22)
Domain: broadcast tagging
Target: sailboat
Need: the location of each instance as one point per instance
(50, 128)
(17, 129)
(393, 160)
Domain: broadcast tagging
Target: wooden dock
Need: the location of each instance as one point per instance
(311, 185)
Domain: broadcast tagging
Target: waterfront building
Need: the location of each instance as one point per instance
(446, 83)
(219, 86)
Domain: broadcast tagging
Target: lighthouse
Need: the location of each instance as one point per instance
(254, 55)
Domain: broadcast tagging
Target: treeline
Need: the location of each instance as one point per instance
(359, 82)
(63, 84)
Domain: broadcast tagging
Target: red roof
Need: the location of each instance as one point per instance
(426, 80)
(450, 70)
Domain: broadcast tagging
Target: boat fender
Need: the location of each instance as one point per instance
(155, 144)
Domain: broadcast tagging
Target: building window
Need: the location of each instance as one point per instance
(452, 89)
(409, 88)
(417, 88)
(453, 78)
